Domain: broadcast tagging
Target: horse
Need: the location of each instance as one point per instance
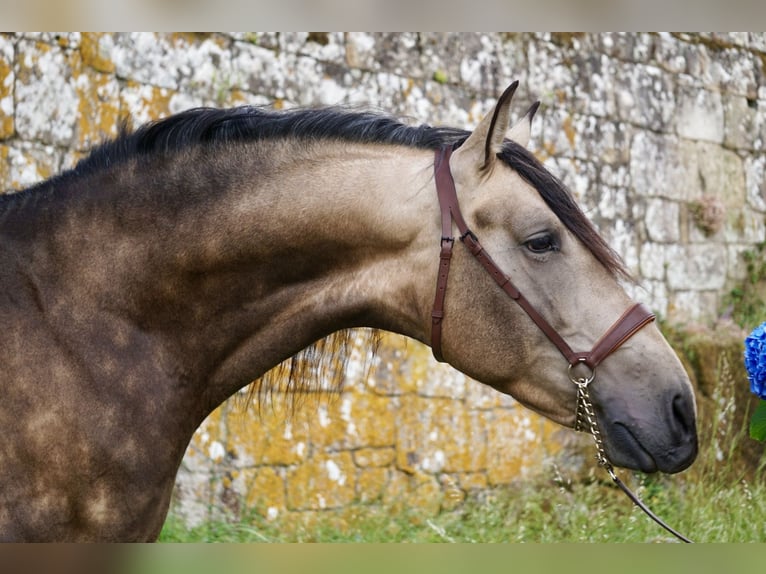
(182, 260)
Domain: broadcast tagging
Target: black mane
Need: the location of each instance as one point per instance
(211, 126)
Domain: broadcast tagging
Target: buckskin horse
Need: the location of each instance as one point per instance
(181, 261)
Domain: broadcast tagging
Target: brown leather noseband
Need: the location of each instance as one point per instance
(625, 327)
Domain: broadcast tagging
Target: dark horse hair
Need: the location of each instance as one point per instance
(218, 127)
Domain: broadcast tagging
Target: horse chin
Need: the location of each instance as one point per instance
(624, 450)
(627, 451)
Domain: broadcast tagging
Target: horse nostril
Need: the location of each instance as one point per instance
(683, 414)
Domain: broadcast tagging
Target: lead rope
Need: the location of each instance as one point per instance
(586, 422)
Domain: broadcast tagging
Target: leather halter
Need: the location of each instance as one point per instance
(636, 317)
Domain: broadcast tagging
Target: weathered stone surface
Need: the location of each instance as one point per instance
(355, 420)
(697, 267)
(664, 166)
(30, 163)
(662, 221)
(324, 481)
(743, 125)
(264, 490)
(700, 114)
(755, 177)
(440, 435)
(374, 457)
(46, 97)
(372, 483)
(517, 445)
(7, 80)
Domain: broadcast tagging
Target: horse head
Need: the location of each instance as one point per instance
(542, 244)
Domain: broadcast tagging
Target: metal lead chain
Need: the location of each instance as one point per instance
(586, 422)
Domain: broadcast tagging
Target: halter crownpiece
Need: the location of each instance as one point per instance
(628, 324)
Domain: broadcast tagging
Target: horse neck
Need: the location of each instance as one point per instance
(235, 261)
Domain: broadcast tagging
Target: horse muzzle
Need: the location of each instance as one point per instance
(666, 442)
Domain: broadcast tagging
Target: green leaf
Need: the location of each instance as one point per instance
(440, 76)
(758, 422)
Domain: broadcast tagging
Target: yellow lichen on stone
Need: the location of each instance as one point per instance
(439, 435)
(327, 480)
(417, 491)
(372, 483)
(375, 457)
(6, 87)
(265, 491)
(514, 445)
(210, 432)
(98, 107)
(473, 480)
(140, 103)
(93, 53)
(273, 435)
(354, 420)
(5, 175)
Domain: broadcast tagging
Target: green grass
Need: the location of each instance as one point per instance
(710, 510)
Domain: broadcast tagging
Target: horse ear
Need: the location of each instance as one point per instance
(521, 132)
(486, 141)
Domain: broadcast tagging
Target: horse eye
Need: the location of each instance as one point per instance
(541, 244)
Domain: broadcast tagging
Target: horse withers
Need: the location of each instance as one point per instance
(180, 262)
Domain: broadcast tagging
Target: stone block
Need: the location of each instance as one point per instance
(662, 221)
(406, 366)
(327, 480)
(721, 174)
(96, 50)
(273, 434)
(98, 108)
(263, 490)
(440, 435)
(141, 103)
(355, 420)
(743, 124)
(755, 182)
(515, 439)
(47, 103)
(664, 166)
(653, 260)
(30, 163)
(686, 307)
(745, 225)
(645, 97)
(417, 491)
(7, 81)
(5, 175)
(374, 457)
(700, 114)
(697, 267)
(654, 293)
(597, 75)
(371, 484)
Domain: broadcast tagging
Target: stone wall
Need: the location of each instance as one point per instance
(662, 137)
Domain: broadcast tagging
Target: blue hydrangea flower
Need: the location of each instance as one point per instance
(755, 360)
